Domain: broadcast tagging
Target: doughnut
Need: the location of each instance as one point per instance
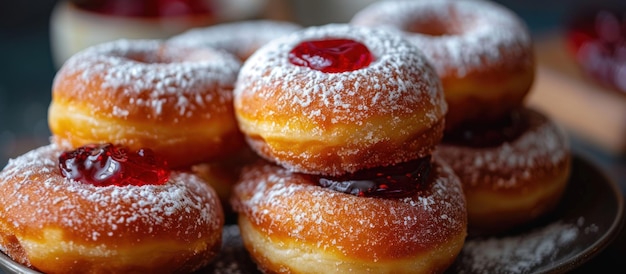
(482, 52)
(512, 173)
(290, 223)
(335, 99)
(145, 93)
(146, 220)
(241, 38)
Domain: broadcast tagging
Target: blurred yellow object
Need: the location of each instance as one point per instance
(73, 28)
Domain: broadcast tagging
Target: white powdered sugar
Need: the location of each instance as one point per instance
(239, 38)
(36, 196)
(523, 253)
(467, 35)
(398, 82)
(148, 78)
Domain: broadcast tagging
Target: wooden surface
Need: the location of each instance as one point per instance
(579, 104)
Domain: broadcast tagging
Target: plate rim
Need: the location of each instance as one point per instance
(605, 239)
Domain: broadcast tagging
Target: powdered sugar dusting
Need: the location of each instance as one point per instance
(289, 204)
(523, 253)
(36, 196)
(480, 34)
(398, 82)
(542, 149)
(239, 38)
(148, 78)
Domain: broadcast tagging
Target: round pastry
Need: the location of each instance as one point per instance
(106, 209)
(146, 93)
(300, 223)
(337, 98)
(512, 172)
(240, 38)
(482, 52)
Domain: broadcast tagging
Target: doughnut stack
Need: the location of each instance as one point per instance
(374, 146)
(345, 120)
(514, 162)
(109, 194)
(125, 184)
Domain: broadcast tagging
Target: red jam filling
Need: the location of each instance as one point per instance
(401, 180)
(481, 135)
(331, 56)
(107, 164)
(147, 8)
(597, 40)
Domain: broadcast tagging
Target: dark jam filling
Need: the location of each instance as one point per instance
(147, 8)
(596, 37)
(107, 164)
(331, 56)
(493, 134)
(400, 180)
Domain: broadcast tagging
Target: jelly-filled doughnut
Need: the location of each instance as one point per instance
(482, 51)
(301, 223)
(106, 209)
(241, 38)
(145, 93)
(337, 98)
(512, 172)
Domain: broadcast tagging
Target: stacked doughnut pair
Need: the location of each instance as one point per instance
(513, 161)
(114, 192)
(345, 120)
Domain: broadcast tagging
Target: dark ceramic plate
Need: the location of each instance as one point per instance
(587, 219)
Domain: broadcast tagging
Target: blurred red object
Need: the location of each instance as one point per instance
(147, 8)
(596, 38)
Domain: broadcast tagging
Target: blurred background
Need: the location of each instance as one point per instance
(25, 76)
(28, 64)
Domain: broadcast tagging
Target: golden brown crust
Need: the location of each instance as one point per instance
(335, 123)
(176, 100)
(321, 158)
(487, 95)
(336, 231)
(57, 225)
(516, 182)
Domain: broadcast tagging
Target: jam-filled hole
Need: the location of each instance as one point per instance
(108, 164)
(331, 55)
